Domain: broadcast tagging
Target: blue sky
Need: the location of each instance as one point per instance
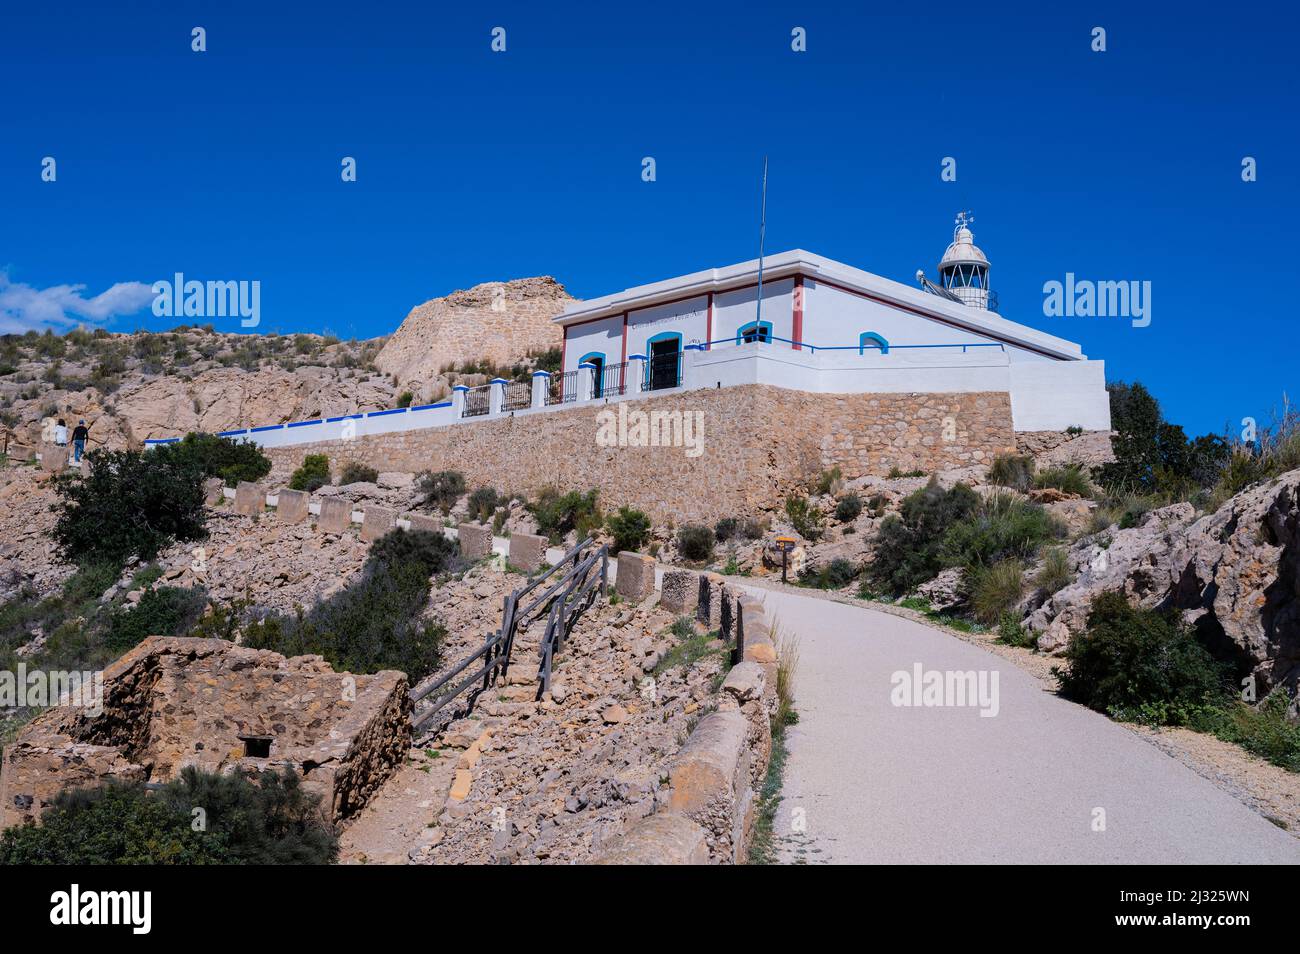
(477, 166)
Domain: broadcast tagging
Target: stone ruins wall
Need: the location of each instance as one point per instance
(757, 443)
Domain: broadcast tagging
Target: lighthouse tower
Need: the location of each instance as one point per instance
(964, 271)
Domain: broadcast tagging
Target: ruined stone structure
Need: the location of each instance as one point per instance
(758, 443)
(174, 702)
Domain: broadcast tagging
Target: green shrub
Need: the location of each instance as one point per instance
(222, 457)
(907, 549)
(357, 473)
(1069, 478)
(272, 820)
(1266, 729)
(806, 518)
(695, 543)
(1054, 575)
(312, 475)
(995, 589)
(828, 480)
(559, 514)
(1011, 633)
(1139, 664)
(835, 575)
(483, 503)
(1003, 525)
(376, 621)
(1012, 470)
(405, 399)
(442, 489)
(726, 528)
(849, 508)
(132, 503)
(163, 611)
(629, 528)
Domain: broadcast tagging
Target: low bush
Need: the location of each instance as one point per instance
(1140, 665)
(405, 399)
(995, 589)
(806, 518)
(1012, 633)
(376, 622)
(752, 528)
(835, 575)
(629, 528)
(357, 473)
(312, 475)
(907, 549)
(849, 508)
(828, 481)
(1012, 470)
(442, 489)
(559, 514)
(1068, 478)
(726, 529)
(483, 503)
(1003, 525)
(695, 542)
(162, 611)
(223, 457)
(1054, 575)
(268, 821)
(132, 503)
(1265, 730)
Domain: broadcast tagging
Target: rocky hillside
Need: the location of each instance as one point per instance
(130, 387)
(496, 322)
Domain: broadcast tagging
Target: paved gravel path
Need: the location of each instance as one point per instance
(875, 782)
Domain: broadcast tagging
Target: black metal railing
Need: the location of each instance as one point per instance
(563, 389)
(663, 371)
(612, 380)
(478, 401)
(569, 593)
(519, 394)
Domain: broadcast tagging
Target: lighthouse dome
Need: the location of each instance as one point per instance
(963, 250)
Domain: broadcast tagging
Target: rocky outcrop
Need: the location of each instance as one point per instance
(499, 322)
(1234, 574)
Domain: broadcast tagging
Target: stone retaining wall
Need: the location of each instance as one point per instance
(756, 443)
(715, 778)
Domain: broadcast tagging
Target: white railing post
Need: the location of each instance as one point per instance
(458, 400)
(636, 373)
(586, 382)
(541, 384)
(497, 396)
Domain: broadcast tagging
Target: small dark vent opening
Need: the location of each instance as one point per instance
(256, 747)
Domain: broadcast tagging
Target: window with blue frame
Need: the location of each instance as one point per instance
(869, 339)
(598, 359)
(754, 331)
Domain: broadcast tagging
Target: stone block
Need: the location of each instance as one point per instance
(212, 491)
(335, 515)
(377, 521)
(662, 839)
(292, 506)
(709, 597)
(636, 576)
(709, 781)
(475, 540)
(54, 459)
(250, 499)
(527, 551)
(680, 592)
(422, 521)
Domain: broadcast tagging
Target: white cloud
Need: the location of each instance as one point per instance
(23, 307)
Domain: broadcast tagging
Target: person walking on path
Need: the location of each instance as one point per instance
(61, 433)
(79, 436)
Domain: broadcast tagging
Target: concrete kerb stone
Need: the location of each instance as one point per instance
(335, 515)
(636, 576)
(291, 505)
(422, 521)
(250, 499)
(475, 540)
(680, 592)
(377, 522)
(710, 782)
(527, 551)
(662, 839)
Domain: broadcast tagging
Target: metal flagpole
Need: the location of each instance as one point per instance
(762, 229)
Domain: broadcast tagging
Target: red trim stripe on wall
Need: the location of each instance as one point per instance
(708, 327)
